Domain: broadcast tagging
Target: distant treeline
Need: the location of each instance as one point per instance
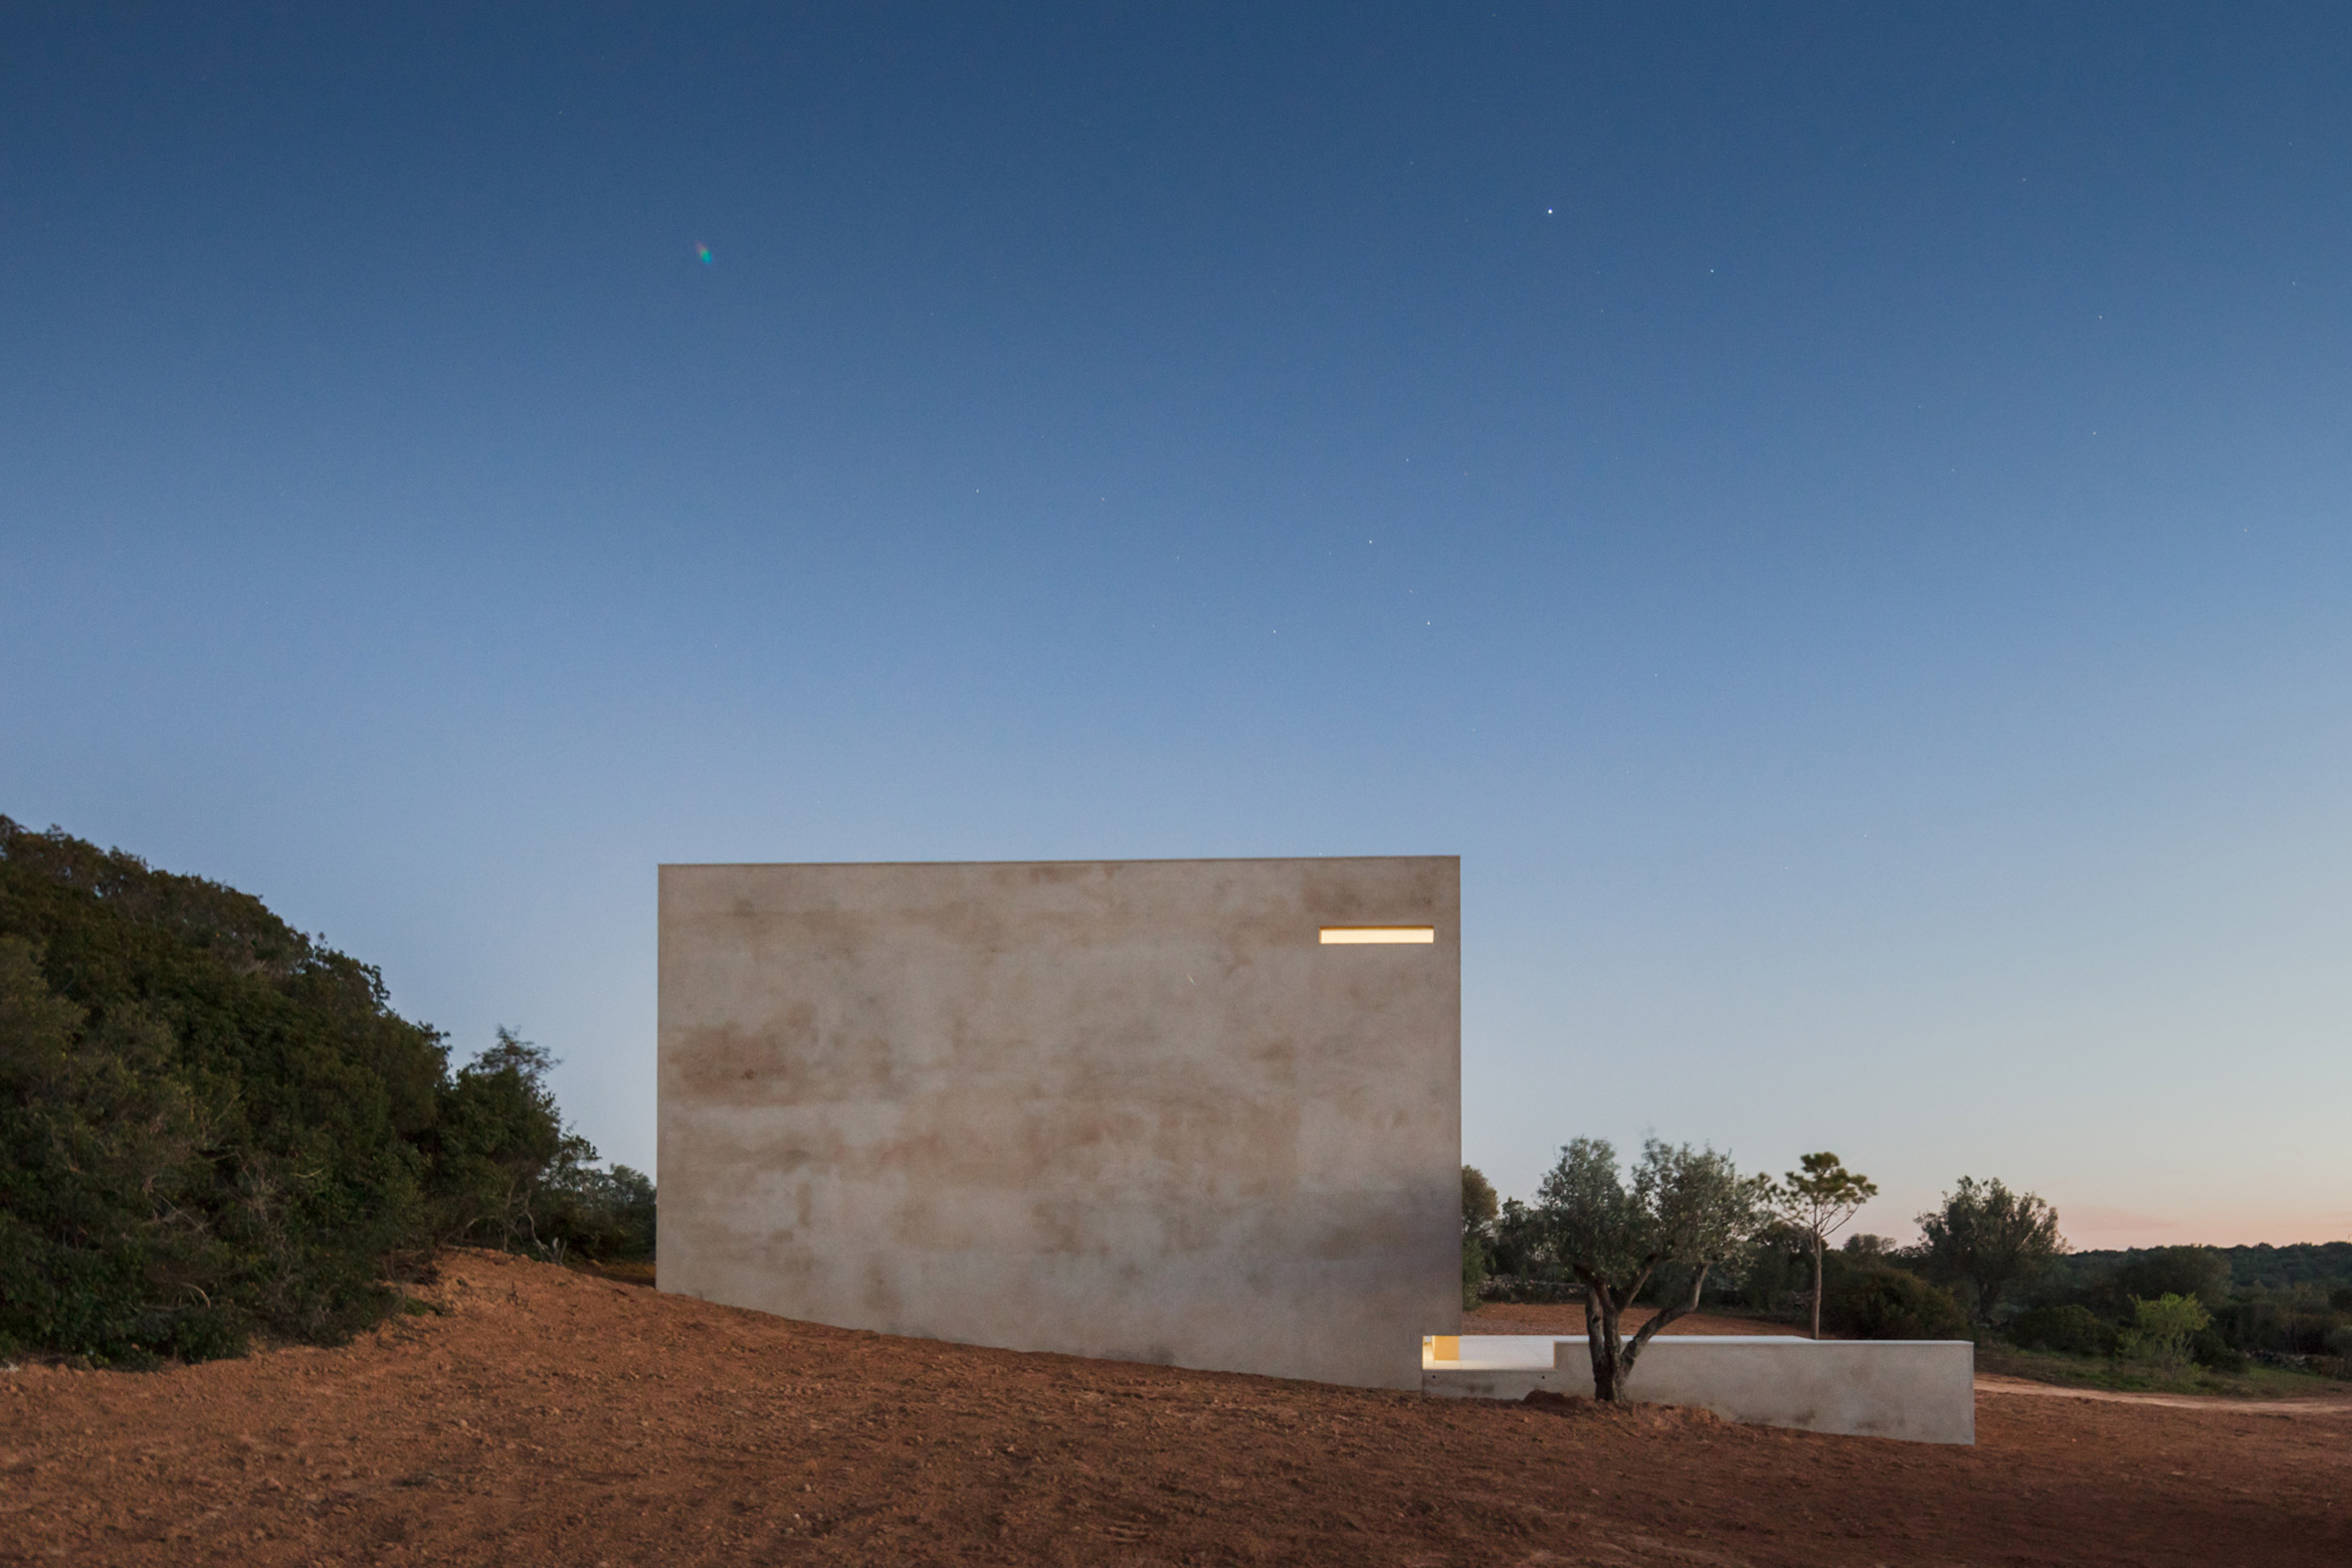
(2327, 1264)
(2084, 1302)
(2282, 1304)
(213, 1126)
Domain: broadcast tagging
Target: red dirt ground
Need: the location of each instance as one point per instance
(552, 1417)
(1553, 1317)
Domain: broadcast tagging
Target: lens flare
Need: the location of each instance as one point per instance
(702, 254)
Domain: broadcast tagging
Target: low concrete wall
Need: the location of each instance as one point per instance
(1918, 1389)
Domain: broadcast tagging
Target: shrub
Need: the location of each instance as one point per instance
(206, 1118)
(211, 1126)
(2211, 1348)
(2162, 1331)
(1474, 1272)
(2294, 1321)
(604, 1216)
(1882, 1301)
(2070, 1328)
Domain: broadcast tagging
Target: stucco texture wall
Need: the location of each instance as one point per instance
(1134, 1110)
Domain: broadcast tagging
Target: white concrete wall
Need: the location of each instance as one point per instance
(1134, 1110)
(1919, 1390)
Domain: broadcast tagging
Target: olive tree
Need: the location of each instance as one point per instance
(1990, 1239)
(1815, 1202)
(1685, 1209)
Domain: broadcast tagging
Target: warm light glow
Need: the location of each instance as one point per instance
(1379, 934)
(1441, 1347)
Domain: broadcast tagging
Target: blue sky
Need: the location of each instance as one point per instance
(1837, 513)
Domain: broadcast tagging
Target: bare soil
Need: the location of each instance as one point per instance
(555, 1417)
(1567, 1317)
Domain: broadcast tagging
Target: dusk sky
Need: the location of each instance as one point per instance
(1841, 515)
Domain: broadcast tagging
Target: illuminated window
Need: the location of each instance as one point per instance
(1379, 934)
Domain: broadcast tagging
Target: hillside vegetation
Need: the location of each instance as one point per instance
(1989, 1265)
(211, 1126)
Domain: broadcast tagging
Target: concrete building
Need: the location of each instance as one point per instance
(1203, 1112)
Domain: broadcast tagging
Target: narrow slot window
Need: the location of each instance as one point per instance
(1335, 934)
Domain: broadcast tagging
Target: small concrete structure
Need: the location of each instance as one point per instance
(1201, 1113)
(1918, 1389)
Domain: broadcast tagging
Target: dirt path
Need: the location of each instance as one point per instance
(555, 1419)
(2317, 1405)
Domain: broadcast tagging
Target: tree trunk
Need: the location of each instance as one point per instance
(1613, 1358)
(1601, 1339)
(1816, 1284)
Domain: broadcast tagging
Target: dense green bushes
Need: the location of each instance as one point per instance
(606, 1215)
(2066, 1326)
(1878, 1300)
(2253, 1309)
(211, 1126)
